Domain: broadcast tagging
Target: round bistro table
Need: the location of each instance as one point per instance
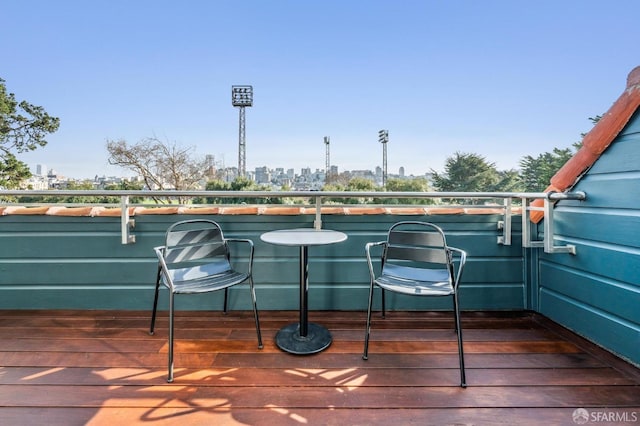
(303, 337)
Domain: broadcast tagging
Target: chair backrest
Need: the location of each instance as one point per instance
(418, 245)
(197, 245)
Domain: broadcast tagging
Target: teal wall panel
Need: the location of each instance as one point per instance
(596, 292)
(79, 262)
(615, 299)
(633, 126)
(608, 191)
(621, 337)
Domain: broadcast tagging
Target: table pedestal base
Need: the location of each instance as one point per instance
(317, 339)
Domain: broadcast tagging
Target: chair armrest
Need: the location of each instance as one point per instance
(461, 262)
(367, 249)
(159, 250)
(245, 242)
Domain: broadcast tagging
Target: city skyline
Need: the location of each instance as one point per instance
(42, 170)
(499, 78)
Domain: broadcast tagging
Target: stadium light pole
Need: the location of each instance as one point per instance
(327, 159)
(383, 138)
(241, 97)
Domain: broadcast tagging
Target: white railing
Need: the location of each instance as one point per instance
(549, 199)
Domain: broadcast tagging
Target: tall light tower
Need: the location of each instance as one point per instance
(241, 97)
(327, 167)
(383, 138)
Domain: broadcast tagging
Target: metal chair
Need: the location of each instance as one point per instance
(196, 259)
(417, 261)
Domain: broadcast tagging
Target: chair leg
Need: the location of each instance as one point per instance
(255, 312)
(365, 353)
(384, 311)
(155, 302)
(226, 300)
(456, 308)
(170, 367)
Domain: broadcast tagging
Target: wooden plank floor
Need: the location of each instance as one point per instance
(103, 368)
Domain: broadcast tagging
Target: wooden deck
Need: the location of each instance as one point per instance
(103, 368)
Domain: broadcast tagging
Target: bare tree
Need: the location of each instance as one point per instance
(162, 165)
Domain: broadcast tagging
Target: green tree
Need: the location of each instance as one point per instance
(335, 180)
(509, 181)
(407, 185)
(536, 172)
(355, 184)
(238, 184)
(23, 128)
(466, 172)
(12, 171)
(124, 185)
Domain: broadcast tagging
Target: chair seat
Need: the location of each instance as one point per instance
(416, 281)
(209, 283)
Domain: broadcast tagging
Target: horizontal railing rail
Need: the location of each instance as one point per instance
(316, 198)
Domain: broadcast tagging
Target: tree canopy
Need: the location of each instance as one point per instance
(238, 184)
(536, 172)
(12, 171)
(469, 172)
(23, 127)
(162, 165)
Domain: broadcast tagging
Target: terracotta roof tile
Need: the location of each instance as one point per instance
(113, 212)
(25, 210)
(156, 210)
(287, 211)
(364, 210)
(406, 210)
(445, 210)
(239, 210)
(71, 211)
(199, 210)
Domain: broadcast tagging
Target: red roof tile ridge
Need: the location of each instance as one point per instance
(596, 141)
(634, 78)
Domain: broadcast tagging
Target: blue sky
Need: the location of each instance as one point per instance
(503, 79)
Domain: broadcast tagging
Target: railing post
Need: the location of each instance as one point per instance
(549, 230)
(126, 223)
(505, 225)
(527, 239)
(317, 223)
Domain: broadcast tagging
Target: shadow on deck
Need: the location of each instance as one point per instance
(103, 368)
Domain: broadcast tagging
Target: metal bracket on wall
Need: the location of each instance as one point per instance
(126, 223)
(549, 223)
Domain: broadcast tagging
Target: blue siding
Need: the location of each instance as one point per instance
(597, 292)
(79, 262)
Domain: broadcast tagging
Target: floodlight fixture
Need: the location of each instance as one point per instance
(242, 96)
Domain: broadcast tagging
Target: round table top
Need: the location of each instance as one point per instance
(303, 237)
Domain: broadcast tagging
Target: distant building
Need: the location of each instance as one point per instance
(263, 175)
(41, 170)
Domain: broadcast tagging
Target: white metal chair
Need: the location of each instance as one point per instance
(196, 259)
(417, 261)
